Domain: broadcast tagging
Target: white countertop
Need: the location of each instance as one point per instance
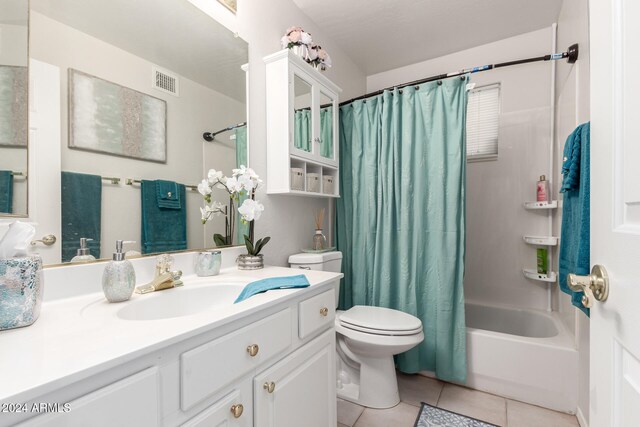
(79, 336)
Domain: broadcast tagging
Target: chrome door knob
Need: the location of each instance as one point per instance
(595, 285)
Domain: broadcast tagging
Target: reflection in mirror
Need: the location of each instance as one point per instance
(302, 112)
(14, 34)
(326, 126)
(140, 83)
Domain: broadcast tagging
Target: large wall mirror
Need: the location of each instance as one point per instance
(14, 129)
(140, 83)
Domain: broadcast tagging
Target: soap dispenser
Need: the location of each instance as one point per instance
(119, 277)
(83, 254)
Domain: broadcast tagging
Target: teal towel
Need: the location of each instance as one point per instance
(81, 213)
(6, 192)
(574, 240)
(264, 285)
(163, 229)
(168, 194)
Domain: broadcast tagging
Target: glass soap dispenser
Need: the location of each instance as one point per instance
(83, 254)
(119, 277)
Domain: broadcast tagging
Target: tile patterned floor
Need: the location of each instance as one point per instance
(484, 406)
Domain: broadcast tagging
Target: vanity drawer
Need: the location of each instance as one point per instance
(212, 366)
(316, 313)
(128, 402)
(233, 410)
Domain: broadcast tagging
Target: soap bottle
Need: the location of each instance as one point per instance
(119, 277)
(83, 254)
(542, 189)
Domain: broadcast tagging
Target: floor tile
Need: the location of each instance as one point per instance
(400, 415)
(415, 389)
(523, 415)
(473, 403)
(348, 412)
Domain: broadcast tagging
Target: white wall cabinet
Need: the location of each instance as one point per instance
(216, 378)
(302, 127)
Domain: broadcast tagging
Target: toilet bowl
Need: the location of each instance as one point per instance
(367, 338)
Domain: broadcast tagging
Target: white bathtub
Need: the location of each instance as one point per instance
(527, 355)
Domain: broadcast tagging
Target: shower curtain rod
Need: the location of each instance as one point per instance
(210, 136)
(571, 55)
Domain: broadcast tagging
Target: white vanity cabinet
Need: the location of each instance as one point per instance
(259, 369)
(300, 389)
(302, 127)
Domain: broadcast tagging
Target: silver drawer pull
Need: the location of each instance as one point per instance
(304, 268)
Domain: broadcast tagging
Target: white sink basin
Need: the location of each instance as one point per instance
(181, 301)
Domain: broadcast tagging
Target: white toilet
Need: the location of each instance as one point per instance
(366, 341)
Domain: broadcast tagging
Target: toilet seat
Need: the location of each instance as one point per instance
(379, 321)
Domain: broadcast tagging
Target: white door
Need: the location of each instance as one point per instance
(44, 157)
(300, 389)
(615, 211)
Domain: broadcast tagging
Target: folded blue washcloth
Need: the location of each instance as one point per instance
(264, 285)
(168, 194)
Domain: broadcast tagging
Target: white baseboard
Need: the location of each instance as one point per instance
(581, 420)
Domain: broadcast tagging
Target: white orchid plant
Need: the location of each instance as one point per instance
(244, 181)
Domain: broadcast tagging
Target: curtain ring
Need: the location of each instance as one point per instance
(463, 77)
(400, 91)
(439, 82)
(417, 88)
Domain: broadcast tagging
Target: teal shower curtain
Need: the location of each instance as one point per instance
(400, 221)
(302, 131)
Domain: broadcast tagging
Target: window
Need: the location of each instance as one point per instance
(483, 113)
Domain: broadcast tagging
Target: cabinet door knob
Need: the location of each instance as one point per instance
(269, 386)
(253, 349)
(324, 311)
(237, 410)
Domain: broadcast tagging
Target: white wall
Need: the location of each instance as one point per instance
(287, 219)
(572, 108)
(496, 220)
(13, 44)
(196, 110)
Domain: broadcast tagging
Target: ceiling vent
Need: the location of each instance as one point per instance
(165, 81)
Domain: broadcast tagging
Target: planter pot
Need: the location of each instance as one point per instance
(250, 262)
(300, 50)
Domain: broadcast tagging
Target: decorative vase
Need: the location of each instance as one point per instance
(319, 241)
(300, 50)
(250, 262)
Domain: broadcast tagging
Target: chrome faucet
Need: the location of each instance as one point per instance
(164, 278)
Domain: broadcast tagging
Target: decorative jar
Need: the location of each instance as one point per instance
(250, 262)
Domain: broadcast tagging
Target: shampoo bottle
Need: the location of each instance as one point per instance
(542, 190)
(83, 254)
(119, 277)
(542, 261)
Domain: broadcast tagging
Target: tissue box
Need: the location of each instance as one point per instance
(20, 291)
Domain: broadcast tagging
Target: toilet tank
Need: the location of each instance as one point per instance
(326, 261)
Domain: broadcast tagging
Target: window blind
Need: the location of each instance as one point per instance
(483, 114)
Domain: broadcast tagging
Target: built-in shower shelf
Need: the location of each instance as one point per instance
(534, 275)
(541, 205)
(541, 240)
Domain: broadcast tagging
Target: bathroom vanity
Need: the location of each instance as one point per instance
(184, 356)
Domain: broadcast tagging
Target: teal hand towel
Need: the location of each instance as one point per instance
(264, 285)
(6, 192)
(163, 230)
(168, 194)
(574, 237)
(81, 213)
